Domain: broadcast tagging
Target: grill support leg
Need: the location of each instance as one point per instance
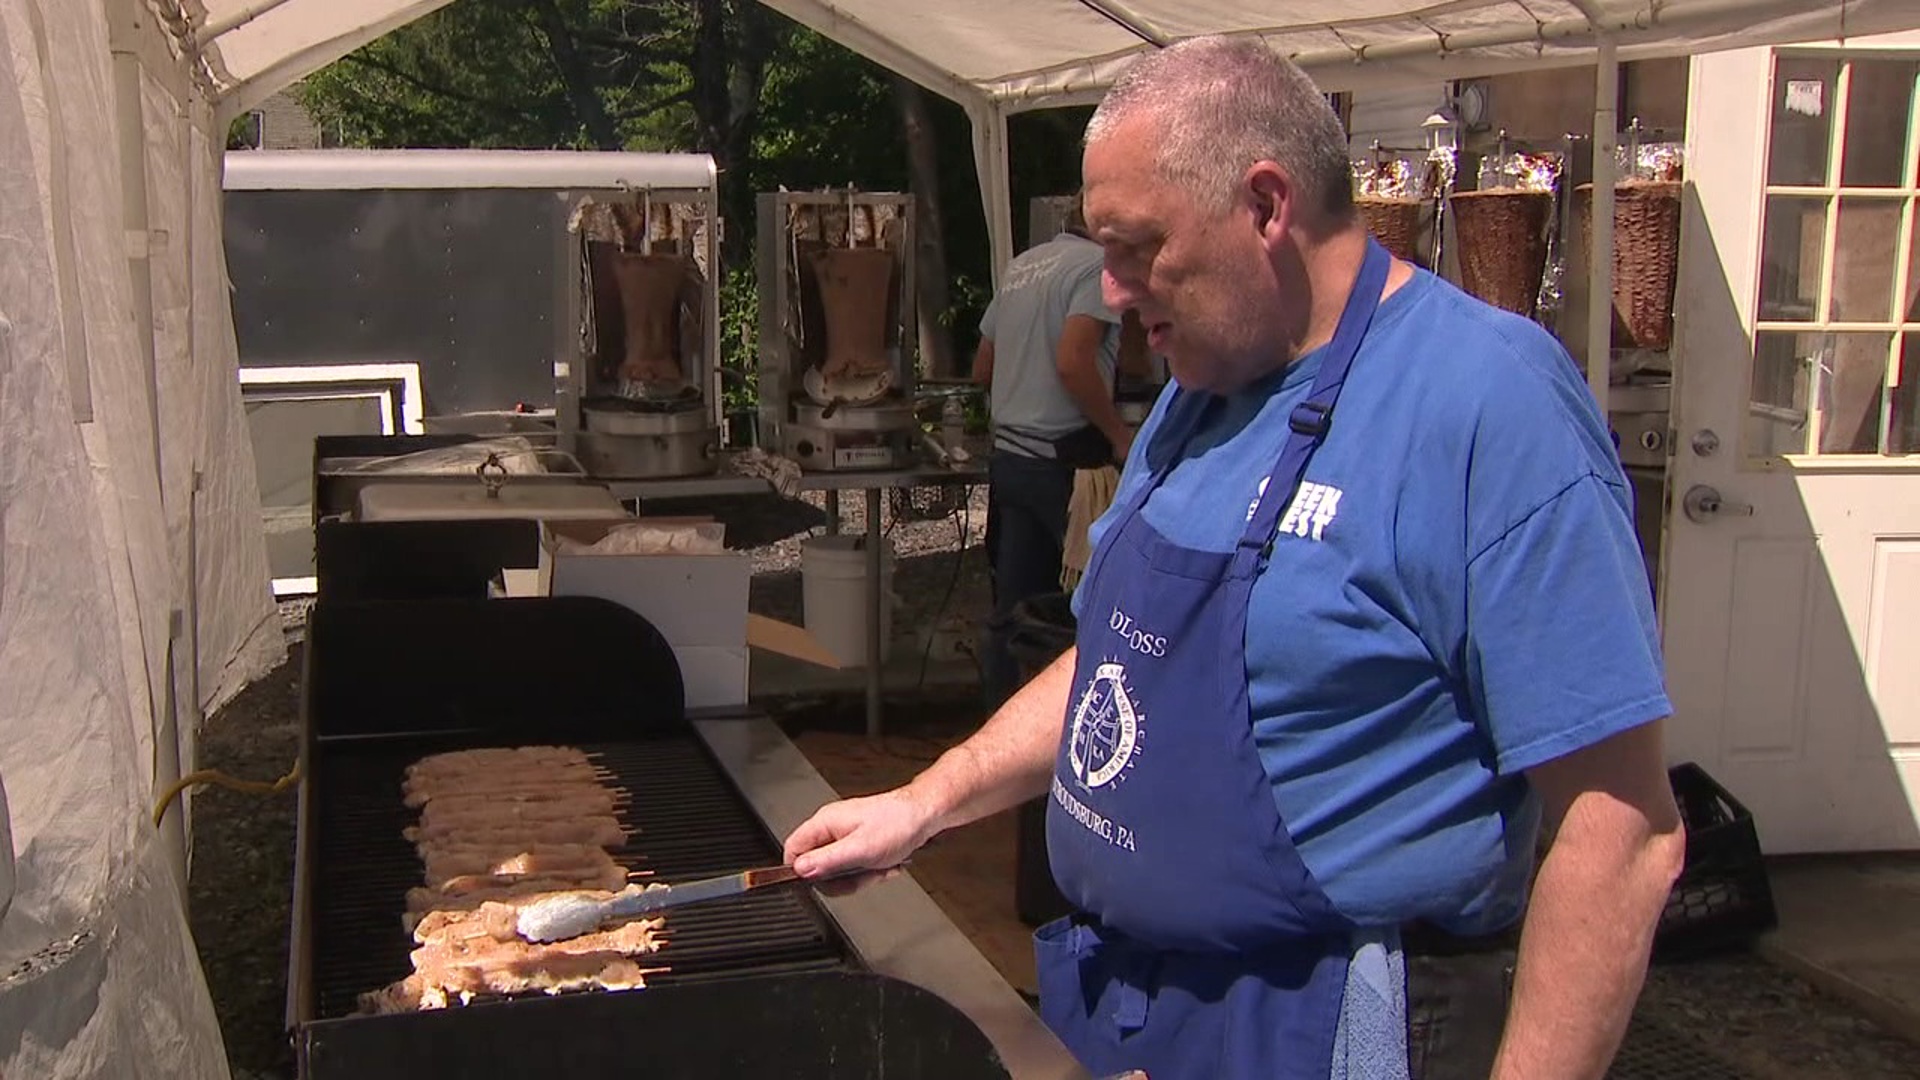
(876, 597)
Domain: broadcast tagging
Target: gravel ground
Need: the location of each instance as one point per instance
(242, 883)
(1759, 1021)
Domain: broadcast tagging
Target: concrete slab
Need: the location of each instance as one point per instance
(1851, 926)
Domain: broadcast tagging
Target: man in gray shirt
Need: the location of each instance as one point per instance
(1048, 349)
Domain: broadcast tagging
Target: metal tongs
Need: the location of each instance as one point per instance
(569, 915)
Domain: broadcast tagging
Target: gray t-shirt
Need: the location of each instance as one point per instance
(1042, 287)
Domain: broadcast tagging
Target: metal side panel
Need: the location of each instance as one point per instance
(894, 926)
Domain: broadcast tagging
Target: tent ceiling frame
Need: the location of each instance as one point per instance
(1128, 20)
(239, 18)
(1591, 26)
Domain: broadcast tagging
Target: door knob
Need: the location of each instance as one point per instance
(1703, 502)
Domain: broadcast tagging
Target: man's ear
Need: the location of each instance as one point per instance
(1270, 194)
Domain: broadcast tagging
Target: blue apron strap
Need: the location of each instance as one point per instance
(1313, 417)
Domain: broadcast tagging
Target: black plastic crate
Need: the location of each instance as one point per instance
(1722, 900)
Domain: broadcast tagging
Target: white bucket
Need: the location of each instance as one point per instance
(833, 596)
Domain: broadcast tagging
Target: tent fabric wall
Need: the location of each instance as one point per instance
(128, 533)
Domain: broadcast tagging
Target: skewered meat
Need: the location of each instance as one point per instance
(852, 284)
(498, 829)
(539, 778)
(495, 918)
(411, 994)
(546, 860)
(424, 903)
(449, 950)
(511, 835)
(479, 888)
(485, 812)
(454, 759)
(552, 975)
(482, 955)
(478, 797)
(523, 774)
(650, 290)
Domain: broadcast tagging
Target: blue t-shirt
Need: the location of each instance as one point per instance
(1456, 594)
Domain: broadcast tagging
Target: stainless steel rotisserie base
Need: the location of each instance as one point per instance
(852, 437)
(645, 445)
(839, 450)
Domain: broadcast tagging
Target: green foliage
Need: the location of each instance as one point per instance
(827, 119)
(739, 335)
(484, 74)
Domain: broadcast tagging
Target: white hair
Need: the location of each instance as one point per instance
(1221, 104)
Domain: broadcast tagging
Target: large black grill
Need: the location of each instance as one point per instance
(761, 984)
(685, 821)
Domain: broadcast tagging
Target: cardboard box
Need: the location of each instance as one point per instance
(696, 599)
(698, 602)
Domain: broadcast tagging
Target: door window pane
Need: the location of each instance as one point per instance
(1879, 108)
(1864, 246)
(1853, 377)
(1777, 416)
(1912, 304)
(1803, 103)
(1903, 427)
(1790, 253)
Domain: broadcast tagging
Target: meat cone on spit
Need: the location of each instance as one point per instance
(1395, 223)
(853, 288)
(650, 289)
(1646, 257)
(1503, 244)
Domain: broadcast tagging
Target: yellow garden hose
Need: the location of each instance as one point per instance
(215, 776)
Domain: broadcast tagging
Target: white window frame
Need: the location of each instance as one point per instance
(395, 386)
(1832, 192)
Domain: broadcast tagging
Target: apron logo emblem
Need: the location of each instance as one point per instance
(1106, 728)
(1313, 509)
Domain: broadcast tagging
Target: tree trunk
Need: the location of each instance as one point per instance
(581, 91)
(930, 246)
(731, 44)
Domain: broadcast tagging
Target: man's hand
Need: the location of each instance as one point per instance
(872, 833)
(1005, 763)
(1122, 444)
(1618, 844)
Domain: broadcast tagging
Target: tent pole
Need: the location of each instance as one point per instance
(996, 196)
(130, 127)
(1003, 196)
(1606, 127)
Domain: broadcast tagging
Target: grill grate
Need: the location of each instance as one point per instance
(685, 820)
(1652, 1051)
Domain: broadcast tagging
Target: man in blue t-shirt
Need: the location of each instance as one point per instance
(1366, 620)
(1048, 349)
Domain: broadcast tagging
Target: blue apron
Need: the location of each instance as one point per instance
(1207, 949)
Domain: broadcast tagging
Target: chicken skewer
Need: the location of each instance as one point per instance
(499, 828)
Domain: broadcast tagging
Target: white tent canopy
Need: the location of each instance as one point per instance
(997, 57)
